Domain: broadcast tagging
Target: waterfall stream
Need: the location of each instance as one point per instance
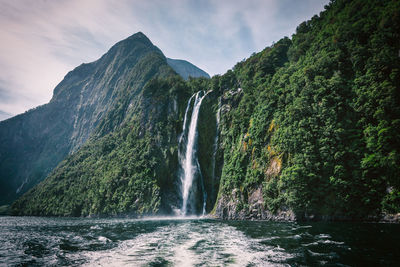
(188, 157)
(181, 137)
(215, 146)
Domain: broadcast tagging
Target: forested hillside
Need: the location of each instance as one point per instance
(315, 127)
(309, 129)
(33, 143)
(121, 171)
(91, 101)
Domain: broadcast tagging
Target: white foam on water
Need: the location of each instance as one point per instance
(103, 239)
(323, 236)
(190, 244)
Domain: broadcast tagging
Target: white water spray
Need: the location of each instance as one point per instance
(188, 160)
(185, 119)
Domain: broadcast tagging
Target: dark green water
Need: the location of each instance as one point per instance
(27, 241)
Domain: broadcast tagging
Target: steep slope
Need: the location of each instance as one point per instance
(133, 169)
(308, 129)
(310, 126)
(93, 99)
(126, 171)
(186, 69)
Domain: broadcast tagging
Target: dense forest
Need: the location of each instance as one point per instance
(310, 127)
(317, 124)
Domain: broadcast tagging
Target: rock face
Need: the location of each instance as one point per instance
(304, 121)
(302, 133)
(91, 101)
(229, 208)
(186, 69)
(391, 218)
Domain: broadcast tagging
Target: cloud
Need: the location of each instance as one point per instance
(42, 40)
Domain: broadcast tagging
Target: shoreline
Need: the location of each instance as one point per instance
(384, 219)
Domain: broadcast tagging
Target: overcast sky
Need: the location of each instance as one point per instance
(41, 40)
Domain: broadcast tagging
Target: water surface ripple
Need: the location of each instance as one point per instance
(193, 242)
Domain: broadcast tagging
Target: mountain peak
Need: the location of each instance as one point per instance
(138, 36)
(133, 40)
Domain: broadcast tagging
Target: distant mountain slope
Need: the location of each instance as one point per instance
(307, 129)
(4, 115)
(186, 69)
(93, 99)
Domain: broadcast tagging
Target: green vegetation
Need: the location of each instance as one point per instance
(124, 171)
(313, 120)
(91, 100)
(317, 123)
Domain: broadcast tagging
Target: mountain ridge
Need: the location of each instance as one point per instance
(306, 129)
(82, 105)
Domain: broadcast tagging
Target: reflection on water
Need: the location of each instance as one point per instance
(194, 242)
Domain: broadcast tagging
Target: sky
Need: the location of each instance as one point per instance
(41, 40)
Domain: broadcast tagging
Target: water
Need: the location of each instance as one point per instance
(188, 160)
(194, 242)
(185, 119)
(215, 145)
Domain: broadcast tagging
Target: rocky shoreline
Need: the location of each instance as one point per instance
(289, 216)
(229, 209)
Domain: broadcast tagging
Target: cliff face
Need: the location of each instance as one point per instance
(134, 169)
(305, 129)
(230, 208)
(123, 115)
(92, 100)
(130, 170)
(309, 125)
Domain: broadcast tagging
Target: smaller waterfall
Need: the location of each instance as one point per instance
(214, 154)
(188, 154)
(215, 148)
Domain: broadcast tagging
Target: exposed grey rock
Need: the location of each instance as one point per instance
(230, 209)
(186, 69)
(391, 218)
(89, 102)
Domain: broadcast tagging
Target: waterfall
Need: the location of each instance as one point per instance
(181, 137)
(215, 146)
(188, 155)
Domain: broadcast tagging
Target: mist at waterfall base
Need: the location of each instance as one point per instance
(39, 241)
(188, 240)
